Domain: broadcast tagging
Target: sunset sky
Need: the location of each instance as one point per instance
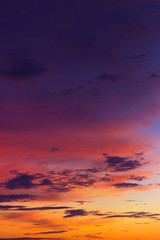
(80, 119)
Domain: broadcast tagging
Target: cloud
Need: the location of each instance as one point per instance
(82, 202)
(93, 236)
(75, 213)
(20, 68)
(42, 208)
(46, 182)
(16, 197)
(105, 179)
(49, 232)
(154, 216)
(66, 180)
(54, 149)
(24, 208)
(106, 78)
(137, 178)
(9, 207)
(26, 238)
(23, 181)
(62, 181)
(120, 164)
(126, 185)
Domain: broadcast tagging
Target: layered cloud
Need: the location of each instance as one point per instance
(67, 180)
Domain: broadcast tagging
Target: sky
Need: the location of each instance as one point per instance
(79, 119)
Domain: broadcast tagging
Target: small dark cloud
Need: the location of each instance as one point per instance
(42, 208)
(138, 154)
(128, 165)
(16, 197)
(82, 202)
(46, 182)
(105, 179)
(61, 189)
(49, 232)
(93, 236)
(137, 178)
(97, 213)
(54, 149)
(28, 238)
(22, 181)
(75, 213)
(25, 181)
(20, 68)
(24, 208)
(154, 216)
(119, 164)
(92, 170)
(107, 78)
(66, 172)
(9, 207)
(113, 161)
(126, 185)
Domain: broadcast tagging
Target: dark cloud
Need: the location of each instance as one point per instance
(128, 165)
(49, 232)
(97, 213)
(93, 236)
(9, 207)
(126, 185)
(119, 164)
(16, 197)
(82, 202)
(42, 208)
(138, 154)
(66, 180)
(154, 216)
(137, 178)
(105, 179)
(46, 182)
(20, 68)
(106, 78)
(28, 238)
(75, 213)
(92, 170)
(24, 208)
(54, 149)
(23, 181)
(113, 161)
